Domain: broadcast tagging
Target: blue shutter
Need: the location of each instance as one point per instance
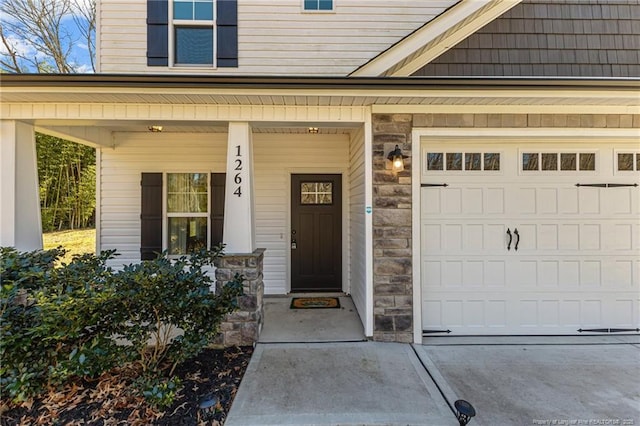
(157, 33)
(227, 33)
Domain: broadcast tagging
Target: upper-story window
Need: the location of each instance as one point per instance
(311, 5)
(193, 32)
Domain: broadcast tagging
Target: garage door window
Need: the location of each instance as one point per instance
(463, 161)
(628, 161)
(558, 161)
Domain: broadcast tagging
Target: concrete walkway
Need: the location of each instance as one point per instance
(285, 325)
(362, 383)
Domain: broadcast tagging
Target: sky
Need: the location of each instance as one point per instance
(78, 58)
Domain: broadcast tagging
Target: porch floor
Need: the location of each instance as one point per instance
(285, 325)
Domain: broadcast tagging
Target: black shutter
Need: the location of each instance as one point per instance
(217, 207)
(157, 33)
(227, 33)
(151, 216)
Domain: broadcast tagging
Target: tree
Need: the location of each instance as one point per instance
(39, 35)
(67, 175)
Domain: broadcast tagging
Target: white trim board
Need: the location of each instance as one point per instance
(507, 109)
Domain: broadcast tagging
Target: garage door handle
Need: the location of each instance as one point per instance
(510, 238)
(518, 240)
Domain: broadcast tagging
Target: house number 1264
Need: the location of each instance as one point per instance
(237, 179)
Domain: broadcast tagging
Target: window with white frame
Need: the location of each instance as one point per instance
(187, 207)
(193, 29)
(558, 161)
(627, 161)
(458, 161)
(318, 5)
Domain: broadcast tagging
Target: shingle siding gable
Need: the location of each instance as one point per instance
(550, 38)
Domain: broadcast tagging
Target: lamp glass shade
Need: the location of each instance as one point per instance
(397, 163)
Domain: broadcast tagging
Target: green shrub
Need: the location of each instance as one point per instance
(70, 321)
(159, 391)
(52, 323)
(169, 310)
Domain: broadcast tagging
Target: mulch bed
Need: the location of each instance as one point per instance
(109, 400)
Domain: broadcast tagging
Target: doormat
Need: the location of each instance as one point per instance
(315, 302)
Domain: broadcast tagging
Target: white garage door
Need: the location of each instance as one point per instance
(530, 238)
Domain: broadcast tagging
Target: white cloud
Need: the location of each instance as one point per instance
(83, 68)
(22, 48)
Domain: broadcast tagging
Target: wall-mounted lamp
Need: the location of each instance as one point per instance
(396, 160)
(313, 130)
(155, 129)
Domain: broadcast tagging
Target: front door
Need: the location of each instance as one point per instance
(316, 232)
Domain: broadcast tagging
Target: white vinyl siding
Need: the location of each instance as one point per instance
(276, 156)
(276, 37)
(120, 171)
(357, 229)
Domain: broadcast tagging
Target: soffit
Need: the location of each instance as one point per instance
(478, 97)
(313, 92)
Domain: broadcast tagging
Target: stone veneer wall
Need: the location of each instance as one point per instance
(392, 244)
(392, 266)
(242, 327)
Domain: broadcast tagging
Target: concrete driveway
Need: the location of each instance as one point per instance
(509, 381)
(587, 382)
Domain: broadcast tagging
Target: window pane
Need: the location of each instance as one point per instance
(454, 161)
(187, 234)
(638, 162)
(316, 193)
(434, 161)
(204, 11)
(325, 199)
(325, 187)
(550, 161)
(625, 162)
(530, 161)
(492, 161)
(194, 45)
(325, 5)
(587, 161)
(310, 4)
(187, 193)
(567, 161)
(472, 161)
(182, 10)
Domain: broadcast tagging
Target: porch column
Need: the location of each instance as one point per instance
(239, 227)
(20, 223)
